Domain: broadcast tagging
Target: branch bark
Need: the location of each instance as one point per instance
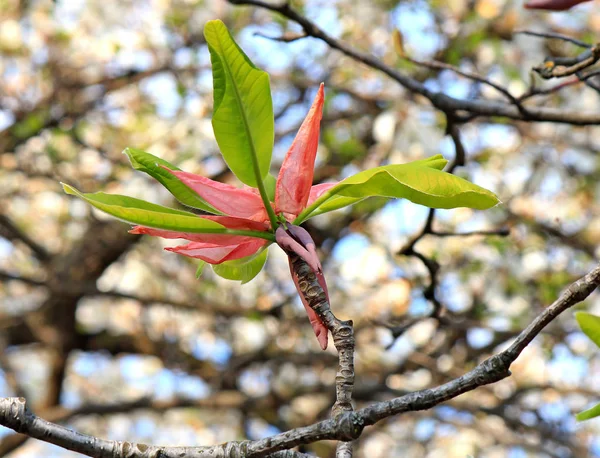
(343, 339)
(439, 100)
(346, 426)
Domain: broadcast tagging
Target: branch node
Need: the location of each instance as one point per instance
(349, 426)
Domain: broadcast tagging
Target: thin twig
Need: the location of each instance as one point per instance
(504, 231)
(534, 91)
(460, 154)
(589, 75)
(437, 65)
(440, 100)
(556, 36)
(7, 276)
(561, 67)
(432, 265)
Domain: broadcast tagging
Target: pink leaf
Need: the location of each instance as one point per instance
(300, 244)
(318, 190)
(219, 239)
(296, 174)
(213, 248)
(231, 222)
(295, 240)
(552, 5)
(214, 253)
(228, 199)
(319, 328)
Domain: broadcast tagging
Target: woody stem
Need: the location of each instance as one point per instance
(343, 339)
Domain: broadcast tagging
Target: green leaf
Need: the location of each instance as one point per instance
(244, 269)
(270, 184)
(144, 213)
(243, 111)
(150, 164)
(335, 203)
(200, 268)
(437, 162)
(590, 413)
(421, 182)
(590, 325)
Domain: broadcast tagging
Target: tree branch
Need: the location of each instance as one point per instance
(561, 67)
(343, 339)
(14, 414)
(439, 100)
(346, 426)
(555, 36)
(7, 276)
(437, 65)
(10, 231)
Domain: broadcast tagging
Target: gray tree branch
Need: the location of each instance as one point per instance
(343, 339)
(346, 426)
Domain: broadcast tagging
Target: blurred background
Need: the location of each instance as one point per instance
(108, 334)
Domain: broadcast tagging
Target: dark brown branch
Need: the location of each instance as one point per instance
(561, 67)
(437, 65)
(11, 232)
(222, 400)
(491, 370)
(441, 101)
(503, 231)
(534, 91)
(460, 154)
(589, 75)
(556, 36)
(7, 276)
(427, 229)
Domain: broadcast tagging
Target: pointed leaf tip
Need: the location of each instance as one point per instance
(297, 170)
(422, 182)
(243, 119)
(589, 413)
(137, 211)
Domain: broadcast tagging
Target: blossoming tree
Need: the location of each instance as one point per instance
(230, 227)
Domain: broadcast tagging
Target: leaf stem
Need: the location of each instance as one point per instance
(316, 204)
(263, 193)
